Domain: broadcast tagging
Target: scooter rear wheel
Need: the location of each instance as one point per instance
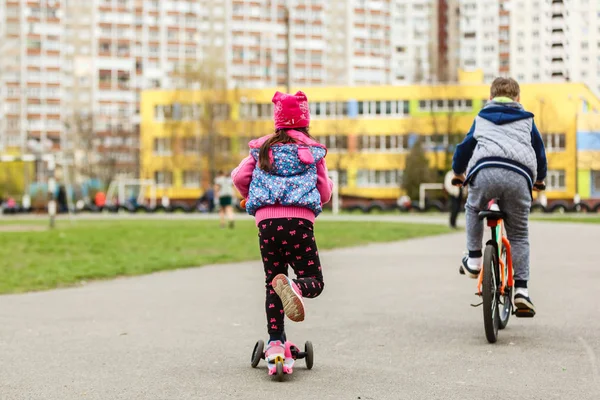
(308, 349)
(257, 353)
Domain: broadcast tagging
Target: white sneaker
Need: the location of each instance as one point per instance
(470, 268)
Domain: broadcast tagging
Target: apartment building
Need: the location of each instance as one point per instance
(339, 42)
(116, 48)
(72, 71)
(557, 40)
(532, 40)
(31, 37)
(479, 33)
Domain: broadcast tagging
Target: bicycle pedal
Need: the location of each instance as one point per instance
(461, 270)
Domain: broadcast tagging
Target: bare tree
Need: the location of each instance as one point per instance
(417, 170)
(85, 153)
(209, 78)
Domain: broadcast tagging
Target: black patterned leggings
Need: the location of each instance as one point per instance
(283, 242)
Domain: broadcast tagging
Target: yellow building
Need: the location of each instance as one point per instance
(369, 132)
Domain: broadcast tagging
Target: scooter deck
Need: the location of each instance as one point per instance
(288, 361)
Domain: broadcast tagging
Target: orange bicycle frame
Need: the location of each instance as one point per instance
(502, 241)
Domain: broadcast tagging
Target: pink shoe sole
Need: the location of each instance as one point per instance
(293, 306)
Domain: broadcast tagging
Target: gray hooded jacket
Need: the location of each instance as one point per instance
(503, 135)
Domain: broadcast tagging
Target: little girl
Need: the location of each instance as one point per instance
(284, 183)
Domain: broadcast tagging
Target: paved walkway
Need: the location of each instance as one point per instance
(394, 322)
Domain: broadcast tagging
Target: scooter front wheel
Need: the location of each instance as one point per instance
(279, 367)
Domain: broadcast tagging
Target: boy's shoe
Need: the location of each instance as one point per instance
(275, 352)
(524, 305)
(291, 297)
(469, 270)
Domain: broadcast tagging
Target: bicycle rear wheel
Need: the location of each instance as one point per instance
(489, 289)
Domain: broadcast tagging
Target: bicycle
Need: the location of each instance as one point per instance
(496, 283)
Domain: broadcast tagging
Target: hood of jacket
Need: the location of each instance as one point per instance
(500, 113)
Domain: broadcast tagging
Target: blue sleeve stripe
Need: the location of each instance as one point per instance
(464, 152)
(540, 152)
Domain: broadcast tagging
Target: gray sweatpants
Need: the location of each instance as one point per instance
(515, 200)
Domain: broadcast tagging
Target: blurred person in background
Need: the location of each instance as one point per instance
(62, 199)
(224, 191)
(100, 199)
(206, 203)
(455, 195)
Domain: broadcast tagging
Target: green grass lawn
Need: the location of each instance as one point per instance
(576, 218)
(85, 250)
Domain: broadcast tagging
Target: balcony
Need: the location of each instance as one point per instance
(557, 52)
(558, 8)
(558, 37)
(557, 24)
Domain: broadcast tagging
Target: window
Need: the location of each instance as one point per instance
(221, 111)
(556, 180)
(446, 105)
(378, 108)
(163, 179)
(34, 44)
(191, 146)
(436, 142)
(105, 47)
(188, 112)
(105, 76)
(191, 179)
(222, 144)
(12, 123)
(159, 113)
(383, 143)
(335, 142)
(162, 146)
(554, 142)
(379, 178)
(123, 49)
(342, 178)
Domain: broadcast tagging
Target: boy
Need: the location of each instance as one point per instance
(504, 157)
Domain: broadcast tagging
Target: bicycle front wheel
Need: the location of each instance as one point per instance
(489, 288)
(505, 306)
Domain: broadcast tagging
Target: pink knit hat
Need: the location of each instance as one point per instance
(291, 111)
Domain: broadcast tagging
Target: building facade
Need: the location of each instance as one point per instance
(369, 132)
(532, 40)
(31, 84)
(71, 72)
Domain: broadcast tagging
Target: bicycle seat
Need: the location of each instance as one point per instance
(492, 213)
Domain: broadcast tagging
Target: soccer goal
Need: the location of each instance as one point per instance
(335, 195)
(121, 186)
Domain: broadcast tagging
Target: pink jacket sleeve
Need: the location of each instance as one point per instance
(324, 183)
(242, 175)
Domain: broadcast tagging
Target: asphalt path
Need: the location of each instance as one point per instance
(394, 322)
